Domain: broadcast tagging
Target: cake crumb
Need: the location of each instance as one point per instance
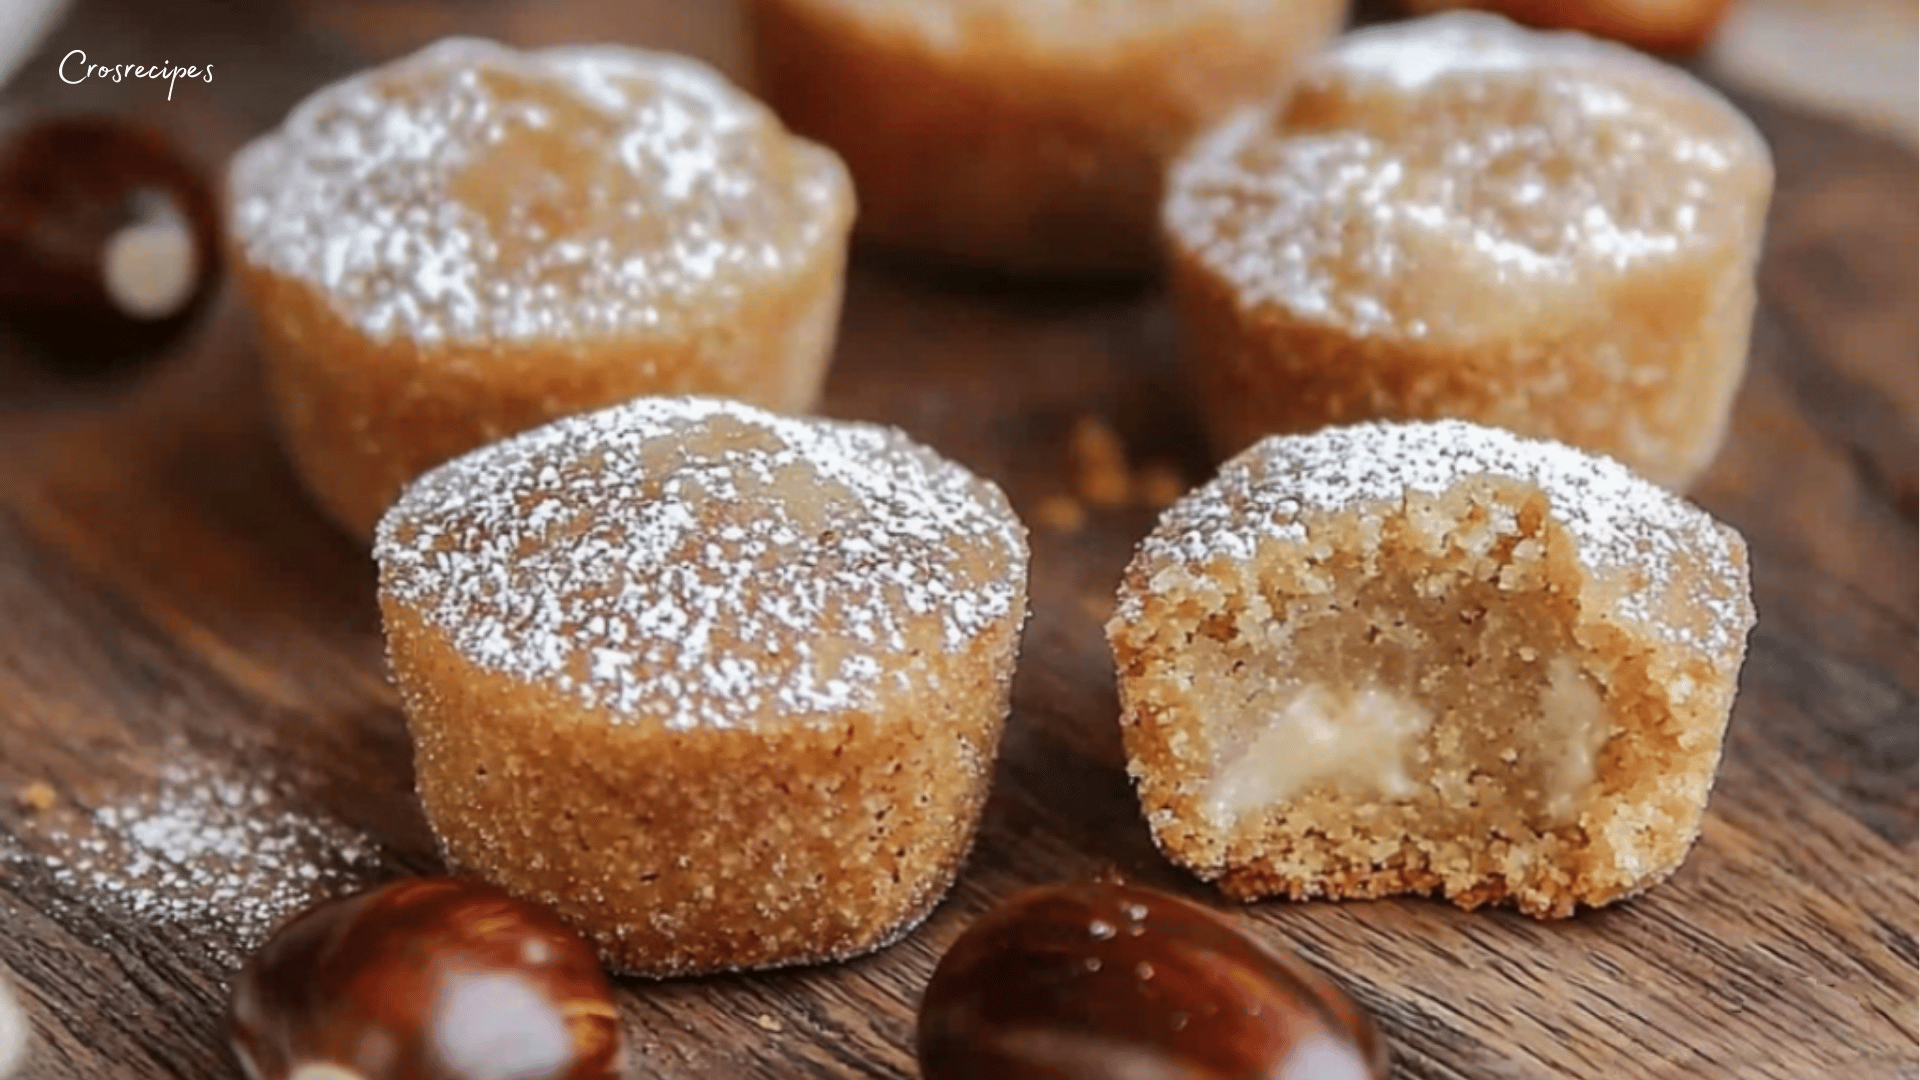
(768, 1023)
(37, 797)
(1158, 485)
(1061, 513)
(1099, 461)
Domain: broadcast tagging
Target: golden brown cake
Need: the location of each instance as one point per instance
(1027, 135)
(723, 688)
(472, 241)
(1456, 217)
(1429, 657)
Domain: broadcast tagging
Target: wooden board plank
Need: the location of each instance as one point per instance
(180, 631)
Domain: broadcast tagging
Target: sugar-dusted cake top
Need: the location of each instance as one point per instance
(1059, 28)
(1430, 177)
(474, 193)
(1627, 529)
(704, 563)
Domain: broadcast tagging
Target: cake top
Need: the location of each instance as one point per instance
(1434, 176)
(1625, 526)
(471, 193)
(703, 563)
(1058, 28)
(1417, 55)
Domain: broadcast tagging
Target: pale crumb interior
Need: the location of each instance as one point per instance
(1417, 704)
(1427, 699)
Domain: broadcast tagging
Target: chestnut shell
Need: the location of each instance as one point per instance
(427, 979)
(67, 184)
(1104, 981)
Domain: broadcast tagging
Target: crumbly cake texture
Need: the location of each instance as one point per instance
(472, 240)
(1429, 658)
(1023, 136)
(723, 688)
(1457, 217)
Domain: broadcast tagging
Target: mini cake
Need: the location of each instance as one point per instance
(1027, 135)
(1456, 217)
(473, 241)
(723, 688)
(1429, 657)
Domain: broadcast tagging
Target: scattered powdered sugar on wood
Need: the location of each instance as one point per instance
(1424, 173)
(473, 193)
(207, 852)
(704, 563)
(1622, 523)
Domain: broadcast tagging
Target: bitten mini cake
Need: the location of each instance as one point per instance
(1456, 217)
(1430, 657)
(723, 688)
(1028, 135)
(472, 241)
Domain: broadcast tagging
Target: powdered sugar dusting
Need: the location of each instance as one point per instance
(1454, 45)
(1621, 522)
(210, 852)
(1429, 173)
(704, 563)
(1093, 28)
(474, 193)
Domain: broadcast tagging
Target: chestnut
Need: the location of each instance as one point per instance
(426, 979)
(13, 1030)
(1100, 980)
(109, 238)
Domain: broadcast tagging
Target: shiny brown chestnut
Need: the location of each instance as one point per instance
(1102, 981)
(426, 979)
(109, 238)
(14, 1030)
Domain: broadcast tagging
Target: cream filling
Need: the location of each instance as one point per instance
(1364, 742)
(1572, 731)
(1368, 744)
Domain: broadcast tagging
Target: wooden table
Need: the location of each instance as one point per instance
(190, 658)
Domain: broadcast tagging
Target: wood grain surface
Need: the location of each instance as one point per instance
(190, 658)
